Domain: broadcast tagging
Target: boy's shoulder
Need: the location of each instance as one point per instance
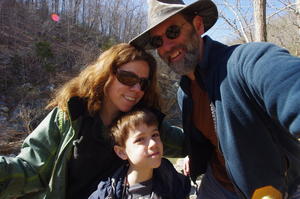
(170, 183)
(111, 185)
(166, 165)
(166, 169)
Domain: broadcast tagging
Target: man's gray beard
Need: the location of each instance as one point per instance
(190, 61)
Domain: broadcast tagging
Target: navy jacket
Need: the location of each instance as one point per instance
(167, 184)
(255, 90)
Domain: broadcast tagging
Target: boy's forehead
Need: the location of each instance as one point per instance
(143, 128)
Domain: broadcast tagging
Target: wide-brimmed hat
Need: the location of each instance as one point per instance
(161, 10)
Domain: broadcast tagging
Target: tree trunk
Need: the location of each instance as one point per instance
(56, 7)
(298, 15)
(83, 12)
(63, 6)
(260, 20)
(298, 26)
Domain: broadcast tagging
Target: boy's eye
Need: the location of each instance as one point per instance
(139, 140)
(156, 135)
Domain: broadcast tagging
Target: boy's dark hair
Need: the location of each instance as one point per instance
(129, 121)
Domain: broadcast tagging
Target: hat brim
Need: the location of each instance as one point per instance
(205, 8)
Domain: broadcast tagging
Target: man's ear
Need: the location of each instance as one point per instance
(120, 151)
(198, 25)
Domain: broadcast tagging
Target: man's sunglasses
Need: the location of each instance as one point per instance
(172, 32)
(130, 79)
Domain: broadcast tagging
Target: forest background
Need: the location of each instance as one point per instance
(44, 43)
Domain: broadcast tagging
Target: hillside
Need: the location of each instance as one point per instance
(38, 54)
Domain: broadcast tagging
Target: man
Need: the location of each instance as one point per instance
(240, 104)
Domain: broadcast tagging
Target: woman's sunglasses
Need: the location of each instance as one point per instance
(172, 32)
(130, 79)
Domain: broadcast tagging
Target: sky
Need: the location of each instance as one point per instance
(220, 30)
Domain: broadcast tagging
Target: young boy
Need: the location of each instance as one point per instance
(146, 174)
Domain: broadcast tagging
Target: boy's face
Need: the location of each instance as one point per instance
(143, 147)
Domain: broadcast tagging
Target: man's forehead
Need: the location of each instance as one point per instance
(176, 19)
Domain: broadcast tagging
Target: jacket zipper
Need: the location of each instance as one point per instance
(236, 188)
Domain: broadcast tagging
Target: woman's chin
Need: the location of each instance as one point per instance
(126, 109)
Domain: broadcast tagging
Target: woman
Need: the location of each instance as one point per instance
(69, 152)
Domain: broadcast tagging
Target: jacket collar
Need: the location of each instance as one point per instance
(202, 66)
(207, 67)
(163, 180)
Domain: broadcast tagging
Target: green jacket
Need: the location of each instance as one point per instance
(40, 170)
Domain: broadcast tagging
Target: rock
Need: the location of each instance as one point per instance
(4, 109)
(2, 103)
(4, 59)
(3, 112)
(3, 119)
(27, 86)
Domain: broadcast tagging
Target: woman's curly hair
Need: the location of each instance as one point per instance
(92, 82)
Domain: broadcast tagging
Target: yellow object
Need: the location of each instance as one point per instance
(267, 192)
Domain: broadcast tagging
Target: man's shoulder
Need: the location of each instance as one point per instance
(257, 48)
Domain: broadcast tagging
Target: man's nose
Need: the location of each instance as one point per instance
(167, 45)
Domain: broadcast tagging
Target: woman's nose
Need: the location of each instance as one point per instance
(136, 87)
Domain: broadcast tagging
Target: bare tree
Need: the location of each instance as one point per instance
(260, 20)
(298, 14)
(115, 19)
(298, 26)
(63, 6)
(283, 27)
(76, 10)
(83, 11)
(238, 16)
(55, 5)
